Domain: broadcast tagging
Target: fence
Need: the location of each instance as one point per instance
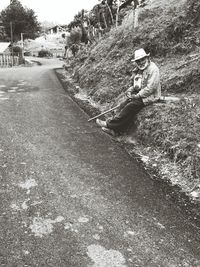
(7, 60)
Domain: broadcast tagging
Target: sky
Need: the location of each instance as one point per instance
(58, 11)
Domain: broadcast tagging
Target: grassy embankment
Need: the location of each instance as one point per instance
(168, 134)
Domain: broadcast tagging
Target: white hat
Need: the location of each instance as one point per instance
(140, 53)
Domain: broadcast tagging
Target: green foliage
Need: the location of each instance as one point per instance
(186, 82)
(44, 53)
(193, 11)
(78, 32)
(27, 53)
(168, 32)
(78, 20)
(23, 21)
(175, 129)
(4, 37)
(17, 49)
(75, 36)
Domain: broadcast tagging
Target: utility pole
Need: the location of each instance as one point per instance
(11, 37)
(22, 42)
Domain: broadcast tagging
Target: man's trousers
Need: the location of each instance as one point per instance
(121, 122)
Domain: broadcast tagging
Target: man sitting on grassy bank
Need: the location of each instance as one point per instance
(146, 90)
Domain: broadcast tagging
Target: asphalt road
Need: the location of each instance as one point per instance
(71, 196)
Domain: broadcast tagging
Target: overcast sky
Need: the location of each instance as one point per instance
(60, 11)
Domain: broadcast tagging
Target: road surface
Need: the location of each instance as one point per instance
(71, 196)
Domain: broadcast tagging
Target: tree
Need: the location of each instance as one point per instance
(23, 20)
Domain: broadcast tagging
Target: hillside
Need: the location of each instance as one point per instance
(168, 135)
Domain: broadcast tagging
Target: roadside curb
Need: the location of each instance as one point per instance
(70, 88)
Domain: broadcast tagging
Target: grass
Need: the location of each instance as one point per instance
(175, 129)
(170, 33)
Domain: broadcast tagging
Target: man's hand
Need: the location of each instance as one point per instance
(128, 94)
(132, 96)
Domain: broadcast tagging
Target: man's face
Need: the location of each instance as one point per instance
(142, 63)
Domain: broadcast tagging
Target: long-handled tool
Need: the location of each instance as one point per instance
(105, 112)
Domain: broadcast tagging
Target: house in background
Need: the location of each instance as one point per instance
(57, 29)
(4, 48)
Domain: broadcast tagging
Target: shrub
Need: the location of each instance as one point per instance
(17, 49)
(174, 129)
(45, 53)
(75, 36)
(27, 53)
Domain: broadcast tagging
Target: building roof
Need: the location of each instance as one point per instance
(58, 26)
(3, 46)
